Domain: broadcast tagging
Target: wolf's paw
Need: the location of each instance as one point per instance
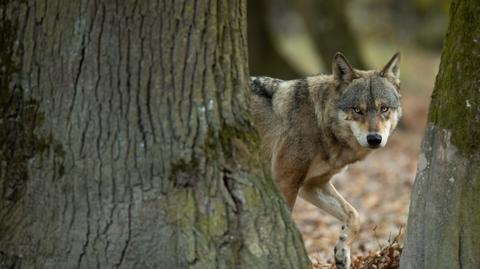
(341, 253)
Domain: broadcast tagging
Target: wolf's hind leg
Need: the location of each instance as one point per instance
(327, 198)
(288, 169)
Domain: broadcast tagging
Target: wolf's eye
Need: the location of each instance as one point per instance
(357, 110)
(384, 109)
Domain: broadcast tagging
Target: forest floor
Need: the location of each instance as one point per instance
(378, 187)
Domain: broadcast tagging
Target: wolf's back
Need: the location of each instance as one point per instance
(262, 91)
(264, 86)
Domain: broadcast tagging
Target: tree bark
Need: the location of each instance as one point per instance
(125, 143)
(328, 25)
(444, 219)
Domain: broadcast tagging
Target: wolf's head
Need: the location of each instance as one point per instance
(369, 103)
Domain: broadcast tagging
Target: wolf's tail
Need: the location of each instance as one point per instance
(264, 86)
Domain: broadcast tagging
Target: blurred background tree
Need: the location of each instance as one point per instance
(291, 38)
(264, 55)
(328, 25)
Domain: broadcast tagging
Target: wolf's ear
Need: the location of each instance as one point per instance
(342, 70)
(392, 68)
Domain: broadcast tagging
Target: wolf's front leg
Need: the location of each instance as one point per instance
(327, 198)
(341, 252)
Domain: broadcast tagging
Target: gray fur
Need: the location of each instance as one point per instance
(367, 90)
(314, 127)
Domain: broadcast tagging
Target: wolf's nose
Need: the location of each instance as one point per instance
(374, 139)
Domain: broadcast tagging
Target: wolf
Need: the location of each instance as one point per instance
(312, 128)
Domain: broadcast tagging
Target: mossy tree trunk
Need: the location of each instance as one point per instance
(328, 25)
(124, 142)
(444, 220)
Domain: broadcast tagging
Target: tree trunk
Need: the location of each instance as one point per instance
(124, 142)
(263, 55)
(444, 219)
(328, 25)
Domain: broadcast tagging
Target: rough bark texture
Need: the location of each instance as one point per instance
(263, 55)
(328, 25)
(124, 143)
(444, 219)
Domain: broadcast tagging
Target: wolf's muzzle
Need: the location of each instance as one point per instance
(374, 140)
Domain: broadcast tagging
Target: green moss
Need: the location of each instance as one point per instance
(59, 151)
(251, 196)
(184, 173)
(456, 97)
(184, 213)
(236, 145)
(183, 165)
(181, 209)
(214, 221)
